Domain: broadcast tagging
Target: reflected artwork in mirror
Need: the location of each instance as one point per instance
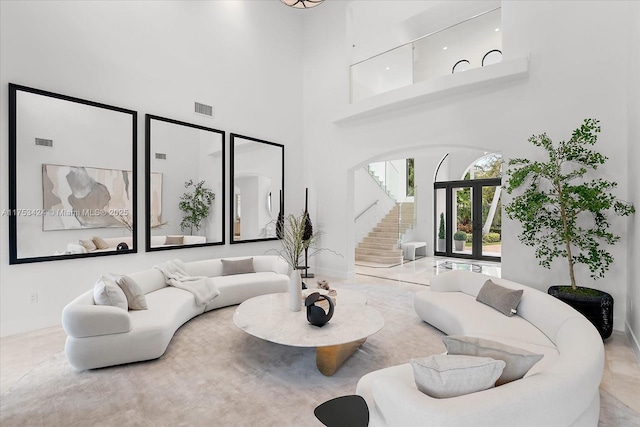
(185, 184)
(72, 177)
(257, 188)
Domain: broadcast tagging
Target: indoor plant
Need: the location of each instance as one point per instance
(295, 239)
(441, 234)
(460, 238)
(563, 214)
(195, 204)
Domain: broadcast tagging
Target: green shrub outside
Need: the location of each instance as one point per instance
(491, 238)
(460, 235)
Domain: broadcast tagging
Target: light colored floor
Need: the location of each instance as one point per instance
(19, 354)
(621, 377)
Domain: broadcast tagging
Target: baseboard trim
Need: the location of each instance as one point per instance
(635, 346)
(337, 274)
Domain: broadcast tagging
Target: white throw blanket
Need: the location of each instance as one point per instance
(175, 274)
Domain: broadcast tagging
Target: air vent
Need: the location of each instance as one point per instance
(161, 156)
(203, 109)
(44, 142)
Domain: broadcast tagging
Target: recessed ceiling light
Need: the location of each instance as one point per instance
(445, 48)
(388, 68)
(497, 29)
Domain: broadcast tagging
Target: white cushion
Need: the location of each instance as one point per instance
(457, 313)
(133, 292)
(107, 292)
(444, 376)
(518, 361)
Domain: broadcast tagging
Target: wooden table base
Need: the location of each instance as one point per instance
(330, 358)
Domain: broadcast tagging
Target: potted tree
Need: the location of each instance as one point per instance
(564, 215)
(441, 234)
(460, 238)
(196, 205)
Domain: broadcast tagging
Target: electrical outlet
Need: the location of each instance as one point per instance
(33, 297)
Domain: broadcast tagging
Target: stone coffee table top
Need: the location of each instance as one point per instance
(268, 317)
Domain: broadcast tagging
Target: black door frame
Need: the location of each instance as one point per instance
(476, 215)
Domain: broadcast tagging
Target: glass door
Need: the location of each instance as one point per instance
(491, 237)
(462, 220)
(468, 219)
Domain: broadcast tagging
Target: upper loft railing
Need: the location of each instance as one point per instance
(473, 43)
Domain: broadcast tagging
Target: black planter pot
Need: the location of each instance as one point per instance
(597, 308)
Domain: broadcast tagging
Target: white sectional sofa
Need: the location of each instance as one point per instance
(101, 335)
(560, 390)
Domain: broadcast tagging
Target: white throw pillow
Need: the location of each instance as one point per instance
(442, 376)
(135, 297)
(518, 361)
(107, 292)
(88, 245)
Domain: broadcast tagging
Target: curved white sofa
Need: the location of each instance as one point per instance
(560, 390)
(100, 335)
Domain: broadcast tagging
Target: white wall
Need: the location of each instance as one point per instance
(157, 58)
(574, 73)
(633, 238)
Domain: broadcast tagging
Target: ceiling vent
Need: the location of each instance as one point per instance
(44, 142)
(204, 110)
(161, 156)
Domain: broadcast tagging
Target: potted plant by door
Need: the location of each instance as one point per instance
(564, 215)
(460, 238)
(441, 234)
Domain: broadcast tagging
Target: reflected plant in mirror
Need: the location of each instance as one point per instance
(196, 205)
(72, 177)
(257, 186)
(185, 174)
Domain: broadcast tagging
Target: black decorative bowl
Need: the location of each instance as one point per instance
(315, 314)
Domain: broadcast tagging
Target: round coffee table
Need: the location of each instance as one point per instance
(268, 317)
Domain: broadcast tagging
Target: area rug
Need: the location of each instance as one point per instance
(215, 374)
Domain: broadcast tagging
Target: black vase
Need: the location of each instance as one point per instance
(598, 309)
(316, 315)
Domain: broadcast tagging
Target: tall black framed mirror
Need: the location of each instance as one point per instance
(72, 177)
(256, 188)
(185, 184)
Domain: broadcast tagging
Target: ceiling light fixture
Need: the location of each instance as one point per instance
(445, 48)
(497, 29)
(302, 4)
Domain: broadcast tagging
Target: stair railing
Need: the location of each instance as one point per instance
(365, 210)
(386, 176)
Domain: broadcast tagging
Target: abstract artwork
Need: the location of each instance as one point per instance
(156, 199)
(84, 197)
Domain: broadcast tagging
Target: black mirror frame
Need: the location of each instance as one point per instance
(231, 185)
(147, 182)
(13, 175)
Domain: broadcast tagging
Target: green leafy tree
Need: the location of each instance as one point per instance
(195, 204)
(562, 213)
(410, 177)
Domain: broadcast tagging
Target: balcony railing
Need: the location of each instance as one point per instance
(473, 43)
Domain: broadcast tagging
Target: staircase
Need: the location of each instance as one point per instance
(381, 245)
